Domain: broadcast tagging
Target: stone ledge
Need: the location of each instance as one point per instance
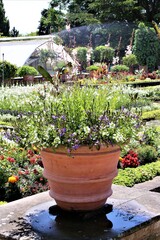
(135, 215)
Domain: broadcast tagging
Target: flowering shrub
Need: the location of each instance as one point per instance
(130, 160)
(20, 173)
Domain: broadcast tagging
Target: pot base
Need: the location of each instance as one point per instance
(56, 210)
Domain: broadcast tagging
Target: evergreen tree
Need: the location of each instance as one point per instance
(52, 19)
(14, 32)
(4, 22)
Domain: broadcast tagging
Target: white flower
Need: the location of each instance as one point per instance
(111, 125)
(87, 129)
(118, 137)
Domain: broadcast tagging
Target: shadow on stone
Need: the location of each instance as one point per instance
(155, 190)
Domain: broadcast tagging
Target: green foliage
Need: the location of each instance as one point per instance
(78, 116)
(130, 176)
(147, 154)
(92, 68)
(26, 70)
(151, 137)
(85, 12)
(103, 54)
(44, 73)
(2, 202)
(9, 70)
(156, 28)
(52, 20)
(119, 68)
(46, 54)
(146, 45)
(4, 22)
(20, 172)
(129, 60)
(154, 114)
(82, 56)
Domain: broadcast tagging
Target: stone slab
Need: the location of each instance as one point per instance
(149, 185)
(135, 215)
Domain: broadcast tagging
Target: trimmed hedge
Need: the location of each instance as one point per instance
(130, 176)
(154, 114)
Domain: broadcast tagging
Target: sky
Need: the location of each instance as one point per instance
(24, 15)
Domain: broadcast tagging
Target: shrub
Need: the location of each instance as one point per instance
(26, 70)
(82, 56)
(129, 60)
(103, 54)
(154, 114)
(119, 68)
(9, 70)
(130, 176)
(92, 68)
(147, 154)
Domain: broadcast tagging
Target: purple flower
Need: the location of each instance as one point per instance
(54, 117)
(63, 117)
(62, 131)
(75, 147)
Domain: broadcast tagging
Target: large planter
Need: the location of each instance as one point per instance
(82, 182)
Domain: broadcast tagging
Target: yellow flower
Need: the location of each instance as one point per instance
(120, 159)
(12, 179)
(35, 148)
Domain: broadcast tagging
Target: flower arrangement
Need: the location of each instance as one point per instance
(75, 116)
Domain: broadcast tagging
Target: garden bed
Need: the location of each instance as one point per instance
(21, 168)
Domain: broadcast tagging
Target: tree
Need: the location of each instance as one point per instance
(157, 30)
(146, 45)
(4, 22)
(150, 9)
(79, 13)
(93, 11)
(14, 32)
(115, 10)
(52, 20)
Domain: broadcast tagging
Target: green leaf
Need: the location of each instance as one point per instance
(45, 74)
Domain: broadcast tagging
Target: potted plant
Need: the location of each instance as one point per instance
(27, 72)
(79, 131)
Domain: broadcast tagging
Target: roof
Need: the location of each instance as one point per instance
(17, 50)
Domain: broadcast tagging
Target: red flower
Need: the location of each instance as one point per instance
(1, 157)
(10, 159)
(130, 160)
(32, 160)
(26, 172)
(35, 171)
(30, 153)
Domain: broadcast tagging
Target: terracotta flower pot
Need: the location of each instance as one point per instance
(82, 182)
(28, 79)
